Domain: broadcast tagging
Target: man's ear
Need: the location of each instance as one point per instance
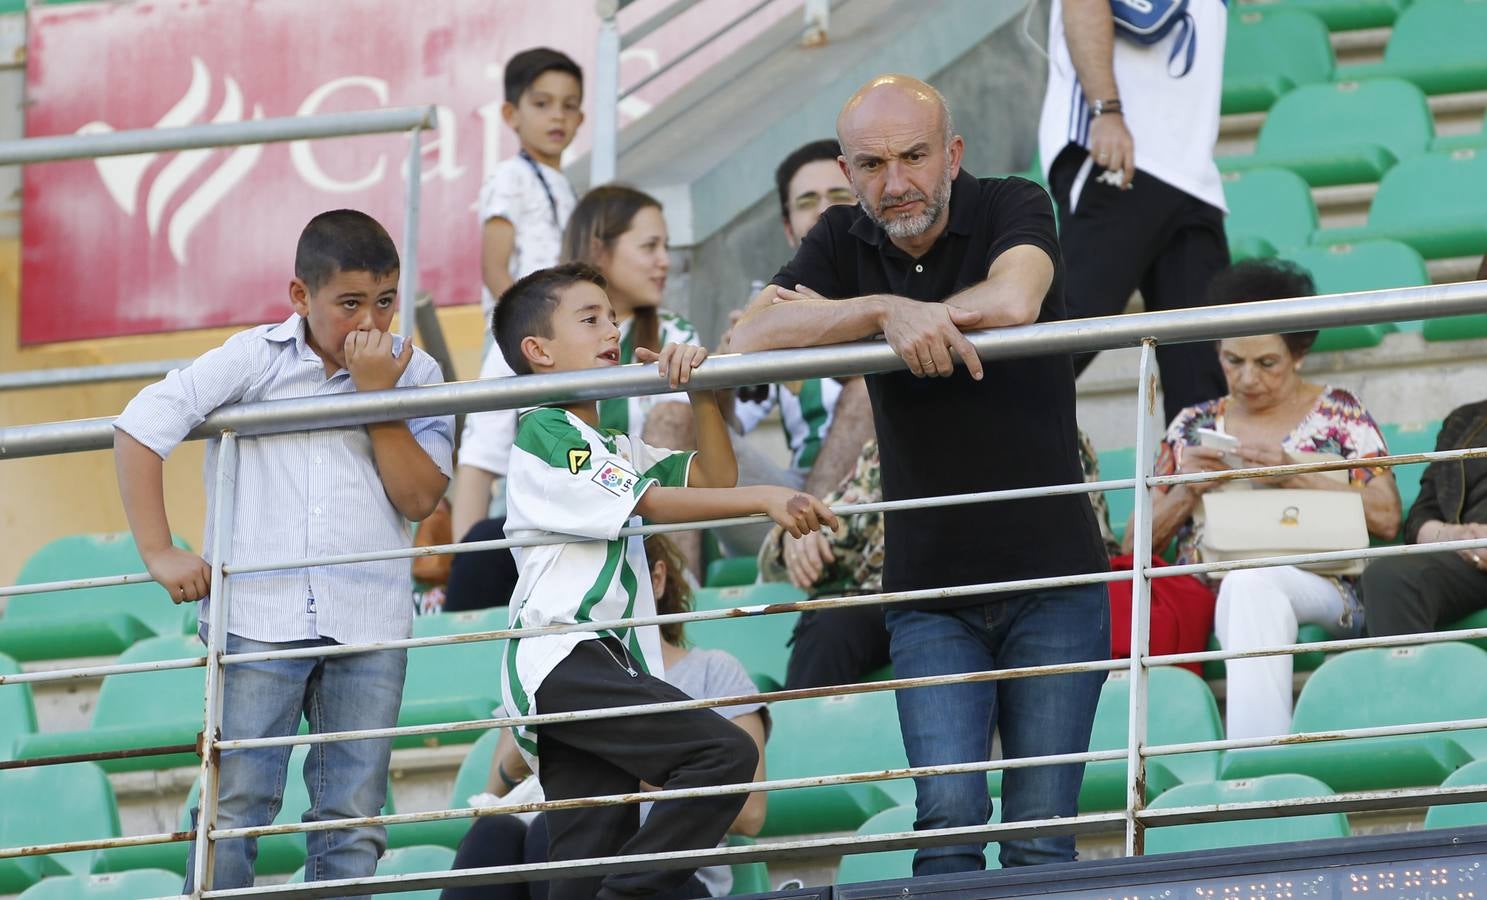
(957, 151)
(790, 237)
(299, 296)
(508, 113)
(535, 352)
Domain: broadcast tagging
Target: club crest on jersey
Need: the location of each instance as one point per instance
(616, 479)
(578, 457)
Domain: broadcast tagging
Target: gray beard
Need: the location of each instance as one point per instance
(913, 226)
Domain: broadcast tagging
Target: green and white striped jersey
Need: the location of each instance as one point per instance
(567, 478)
(627, 414)
(807, 409)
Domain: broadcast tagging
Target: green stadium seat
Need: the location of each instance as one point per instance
(115, 886)
(732, 571)
(138, 709)
(50, 805)
(1437, 45)
(1365, 266)
(864, 736)
(1248, 246)
(1474, 621)
(1181, 709)
(1429, 683)
(17, 712)
(750, 877)
(1342, 133)
(889, 864)
(1272, 205)
(1214, 670)
(1432, 202)
(1476, 139)
(1416, 437)
(101, 621)
(1339, 15)
(453, 682)
(1271, 50)
(1220, 835)
(1460, 815)
(1119, 463)
(472, 778)
(407, 861)
(761, 643)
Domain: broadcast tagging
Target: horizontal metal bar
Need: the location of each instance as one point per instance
(1337, 646)
(141, 840)
(1352, 801)
(72, 584)
(692, 50)
(161, 665)
(1328, 556)
(54, 148)
(71, 376)
(96, 756)
(1082, 335)
(633, 36)
(1331, 465)
(1317, 737)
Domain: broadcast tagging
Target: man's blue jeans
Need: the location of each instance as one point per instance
(345, 778)
(1036, 716)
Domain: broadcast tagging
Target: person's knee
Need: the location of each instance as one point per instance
(950, 801)
(1244, 591)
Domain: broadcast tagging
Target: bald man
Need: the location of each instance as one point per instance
(929, 251)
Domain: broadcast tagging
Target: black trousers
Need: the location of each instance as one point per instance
(1154, 237)
(693, 748)
(1414, 594)
(485, 579)
(836, 646)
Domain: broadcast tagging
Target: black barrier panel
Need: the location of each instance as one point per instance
(1431, 865)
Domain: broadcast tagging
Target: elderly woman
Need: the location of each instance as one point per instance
(1274, 413)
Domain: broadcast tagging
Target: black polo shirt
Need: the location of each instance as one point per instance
(1013, 429)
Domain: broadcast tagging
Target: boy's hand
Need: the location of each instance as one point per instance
(370, 361)
(798, 513)
(182, 573)
(675, 361)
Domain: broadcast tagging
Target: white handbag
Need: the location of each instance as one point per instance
(1283, 522)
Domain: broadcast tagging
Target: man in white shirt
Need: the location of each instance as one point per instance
(1126, 139)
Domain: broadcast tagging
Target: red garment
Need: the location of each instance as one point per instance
(1181, 614)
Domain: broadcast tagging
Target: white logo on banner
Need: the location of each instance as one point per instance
(122, 175)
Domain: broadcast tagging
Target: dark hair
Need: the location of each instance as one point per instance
(527, 66)
(676, 597)
(1266, 279)
(342, 240)
(815, 151)
(605, 213)
(525, 309)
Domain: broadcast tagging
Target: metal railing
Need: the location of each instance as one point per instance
(1144, 330)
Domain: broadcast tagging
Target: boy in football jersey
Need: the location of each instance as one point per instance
(569, 476)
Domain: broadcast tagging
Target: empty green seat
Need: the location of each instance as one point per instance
(1181, 710)
(1342, 133)
(1375, 687)
(1274, 205)
(1340, 15)
(17, 712)
(1269, 51)
(761, 643)
(1115, 464)
(115, 886)
(473, 777)
(1244, 833)
(452, 682)
(831, 736)
(100, 621)
(1365, 266)
(1418, 437)
(51, 805)
(887, 864)
(732, 571)
(750, 877)
(1432, 202)
(1439, 45)
(1461, 815)
(138, 709)
(407, 861)
(1475, 139)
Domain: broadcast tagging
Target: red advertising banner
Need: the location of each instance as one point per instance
(202, 238)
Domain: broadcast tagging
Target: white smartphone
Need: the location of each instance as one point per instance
(1218, 440)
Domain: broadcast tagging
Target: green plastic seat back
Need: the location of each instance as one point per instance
(732, 571)
(1439, 45)
(88, 556)
(1268, 52)
(474, 773)
(141, 698)
(1181, 709)
(1416, 437)
(454, 681)
(761, 643)
(1323, 119)
(1425, 684)
(1432, 191)
(1272, 204)
(113, 886)
(49, 805)
(859, 868)
(17, 712)
(864, 737)
(1365, 266)
(749, 877)
(1346, 15)
(1461, 815)
(1217, 835)
(406, 861)
(1119, 463)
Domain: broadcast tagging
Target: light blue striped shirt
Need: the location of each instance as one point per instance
(301, 494)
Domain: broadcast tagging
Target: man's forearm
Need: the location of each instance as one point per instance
(1089, 31)
(1013, 291)
(412, 481)
(809, 323)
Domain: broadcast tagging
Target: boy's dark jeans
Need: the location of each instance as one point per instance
(694, 748)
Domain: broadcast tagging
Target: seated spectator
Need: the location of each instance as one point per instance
(509, 839)
(1274, 413)
(1411, 594)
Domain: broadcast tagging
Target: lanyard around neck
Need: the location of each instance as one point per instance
(552, 203)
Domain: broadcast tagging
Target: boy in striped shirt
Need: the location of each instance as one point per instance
(570, 476)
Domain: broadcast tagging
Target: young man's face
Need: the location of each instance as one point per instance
(347, 302)
(584, 334)
(547, 115)
(814, 187)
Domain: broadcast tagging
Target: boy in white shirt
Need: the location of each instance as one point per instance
(523, 207)
(570, 476)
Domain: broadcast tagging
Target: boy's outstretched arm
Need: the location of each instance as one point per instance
(715, 465)
(792, 510)
(413, 482)
(141, 488)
